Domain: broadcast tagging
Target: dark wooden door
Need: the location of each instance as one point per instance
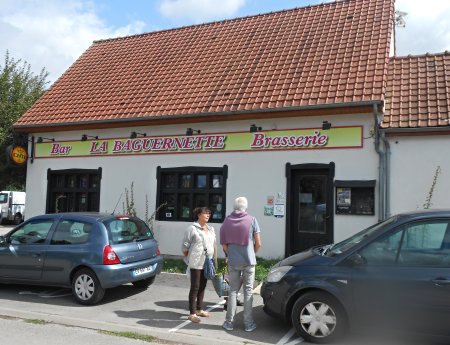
(311, 207)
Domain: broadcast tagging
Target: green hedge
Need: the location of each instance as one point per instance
(262, 268)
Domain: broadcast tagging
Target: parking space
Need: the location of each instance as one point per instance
(160, 311)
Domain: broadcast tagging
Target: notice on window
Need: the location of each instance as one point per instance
(343, 200)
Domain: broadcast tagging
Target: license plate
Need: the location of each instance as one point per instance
(143, 270)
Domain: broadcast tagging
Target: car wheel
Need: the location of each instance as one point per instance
(86, 287)
(318, 318)
(144, 283)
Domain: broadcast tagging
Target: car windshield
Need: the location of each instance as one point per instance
(347, 244)
(128, 229)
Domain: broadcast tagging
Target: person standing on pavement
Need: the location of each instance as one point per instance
(198, 237)
(240, 240)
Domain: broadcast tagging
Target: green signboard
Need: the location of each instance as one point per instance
(288, 139)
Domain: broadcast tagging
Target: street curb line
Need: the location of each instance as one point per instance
(176, 337)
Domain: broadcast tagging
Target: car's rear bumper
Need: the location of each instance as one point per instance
(115, 275)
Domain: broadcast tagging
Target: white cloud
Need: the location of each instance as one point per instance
(427, 27)
(52, 34)
(199, 11)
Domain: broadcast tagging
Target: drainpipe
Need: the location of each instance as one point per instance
(381, 168)
(387, 165)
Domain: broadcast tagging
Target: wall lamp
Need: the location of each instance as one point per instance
(85, 137)
(326, 125)
(191, 131)
(134, 135)
(254, 128)
(41, 139)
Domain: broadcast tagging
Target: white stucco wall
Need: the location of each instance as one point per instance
(254, 175)
(414, 161)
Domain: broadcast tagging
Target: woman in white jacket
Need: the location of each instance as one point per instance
(198, 237)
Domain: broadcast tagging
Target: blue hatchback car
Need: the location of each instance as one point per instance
(394, 275)
(88, 252)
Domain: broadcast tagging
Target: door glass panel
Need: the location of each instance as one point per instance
(312, 204)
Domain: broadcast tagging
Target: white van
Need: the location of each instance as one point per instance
(12, 207)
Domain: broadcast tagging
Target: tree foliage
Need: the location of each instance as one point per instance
(19, 89)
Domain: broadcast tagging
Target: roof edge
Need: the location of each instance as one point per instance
(394, 130)
(201, 115)
(409, 56)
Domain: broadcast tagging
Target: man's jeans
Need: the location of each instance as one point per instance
(247, 279)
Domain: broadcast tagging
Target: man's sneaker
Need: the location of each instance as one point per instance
(228, 326)
(250, 327)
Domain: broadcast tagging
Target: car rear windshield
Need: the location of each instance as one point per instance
(127, 229)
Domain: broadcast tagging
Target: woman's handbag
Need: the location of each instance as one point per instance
(208, 268)
(221, 285)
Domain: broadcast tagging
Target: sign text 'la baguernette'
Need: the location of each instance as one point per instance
(218, 142)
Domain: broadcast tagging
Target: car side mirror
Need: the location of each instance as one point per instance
(2, 241)
(356, 260)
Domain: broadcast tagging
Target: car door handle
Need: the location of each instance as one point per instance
(36, 255)
(441, 281)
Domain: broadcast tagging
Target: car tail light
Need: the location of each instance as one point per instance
(158, 252)
(110, 257)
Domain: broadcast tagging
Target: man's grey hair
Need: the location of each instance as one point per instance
(240, 203)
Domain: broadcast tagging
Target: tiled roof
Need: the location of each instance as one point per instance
(323, 54)
(418, 91)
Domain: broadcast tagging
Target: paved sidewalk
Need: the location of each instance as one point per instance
(19, 332)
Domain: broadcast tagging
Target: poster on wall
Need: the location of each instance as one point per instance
(343, 200)
(268, 210)
(278, 210)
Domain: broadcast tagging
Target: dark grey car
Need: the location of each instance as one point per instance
(88, 252)
(393, 276)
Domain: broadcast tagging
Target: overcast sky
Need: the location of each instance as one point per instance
(52, 34)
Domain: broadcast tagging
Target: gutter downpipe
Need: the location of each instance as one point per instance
(381, 168)
(387, 158)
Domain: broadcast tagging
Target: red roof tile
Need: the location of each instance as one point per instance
(305, 56)
(418, 91)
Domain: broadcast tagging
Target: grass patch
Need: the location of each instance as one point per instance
(36, 321)
(131, 335)
(262, 268)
